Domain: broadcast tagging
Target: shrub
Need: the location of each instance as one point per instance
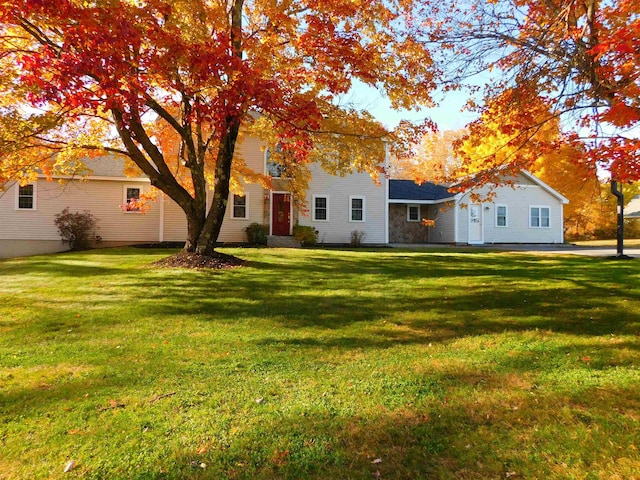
(76, 229)
(257, 233)
(357, 237)
(305, 235)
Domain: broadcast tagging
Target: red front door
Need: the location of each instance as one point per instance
(281, 214)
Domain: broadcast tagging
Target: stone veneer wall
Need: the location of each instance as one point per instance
(402, 231)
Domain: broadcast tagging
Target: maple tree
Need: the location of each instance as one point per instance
(579, 59)
(172, 85)
(489, 156)
(433, 160)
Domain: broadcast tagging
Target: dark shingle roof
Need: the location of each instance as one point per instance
(409, 190)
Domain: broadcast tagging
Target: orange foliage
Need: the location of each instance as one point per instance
(170, 84)
(580, 60)
(434, 159)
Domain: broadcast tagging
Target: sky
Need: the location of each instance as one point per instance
(447, 115)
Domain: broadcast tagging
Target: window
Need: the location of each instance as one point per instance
(413, 213)
(240, 209)
(539, 217)
(356, 209)
(320, 208)
(26, 199)
(131, 197)
(274, 170)
(501, 215)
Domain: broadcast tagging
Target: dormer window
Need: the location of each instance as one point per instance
(273, 169)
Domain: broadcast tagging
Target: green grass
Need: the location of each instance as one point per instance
(322, 364)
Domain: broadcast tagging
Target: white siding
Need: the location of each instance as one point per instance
(444, 229)
(23, 248)
(338, 189)
(102, 198)
(233, 228)
(175, 222)
(518, 199)
(250, 150)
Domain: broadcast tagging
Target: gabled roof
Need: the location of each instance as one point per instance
(632, 210)
(105, 167)
(404, 191)
(408, 190)
(544, 186)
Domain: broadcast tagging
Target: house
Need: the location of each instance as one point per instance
(632, 210)
(336, 206)
(382, 211)
(523, 210)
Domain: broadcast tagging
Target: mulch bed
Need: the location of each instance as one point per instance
(219, 261)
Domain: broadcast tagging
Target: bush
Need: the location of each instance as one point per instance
(305, 235)
(76, 229)
(257, 233)
(357, 237)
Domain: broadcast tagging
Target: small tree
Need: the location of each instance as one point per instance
(75, 229)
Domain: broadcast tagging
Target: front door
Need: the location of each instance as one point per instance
(475, 223)
(280, 214)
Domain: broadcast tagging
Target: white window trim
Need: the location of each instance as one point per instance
(506, 216)
(409, 206)
(540, 217)
(35, 198)
(124, 197)
(364, 208)
(246, 207)
(313, 208)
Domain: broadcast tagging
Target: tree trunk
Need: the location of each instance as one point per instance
(213, 223)
(203, 228)
(194, 228)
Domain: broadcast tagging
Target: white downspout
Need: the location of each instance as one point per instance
(161, 223)
(386, 194)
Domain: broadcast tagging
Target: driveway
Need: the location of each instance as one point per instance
(574, 250)
(564, 249)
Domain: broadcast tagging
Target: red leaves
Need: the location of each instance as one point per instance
(620, 156)
(620, 115)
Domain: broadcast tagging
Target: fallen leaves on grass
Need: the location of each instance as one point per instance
(112, 406)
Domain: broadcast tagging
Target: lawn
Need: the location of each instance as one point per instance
(323, 364)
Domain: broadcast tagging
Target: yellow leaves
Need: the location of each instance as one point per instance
(434, 159)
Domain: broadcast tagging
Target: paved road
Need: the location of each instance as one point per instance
(576, 250)
(546, 249)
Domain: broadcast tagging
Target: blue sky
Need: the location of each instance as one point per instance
(447, 115)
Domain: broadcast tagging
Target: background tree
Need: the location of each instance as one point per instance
(170, 84)
(433, 158)
(491, 154)
(581, 58)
